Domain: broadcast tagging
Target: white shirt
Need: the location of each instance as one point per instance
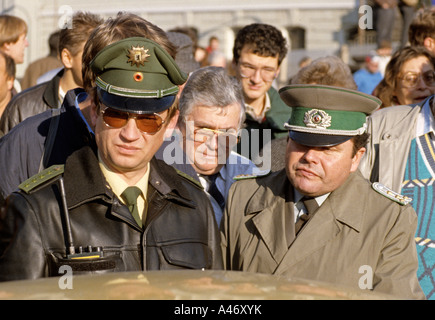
(425, 119)
(299, 207)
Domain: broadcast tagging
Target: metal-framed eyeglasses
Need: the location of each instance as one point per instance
(410, 79)
(247, 70)
(149, 123)
(205, 135)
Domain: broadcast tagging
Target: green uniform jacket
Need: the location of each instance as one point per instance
(356, 227)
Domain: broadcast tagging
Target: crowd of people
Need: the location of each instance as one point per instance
(142, 153)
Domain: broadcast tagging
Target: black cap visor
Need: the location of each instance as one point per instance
(135, 105)
(317, 140)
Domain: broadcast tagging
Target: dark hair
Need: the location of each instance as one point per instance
(422, 27)
(263, 39)
(359, 142)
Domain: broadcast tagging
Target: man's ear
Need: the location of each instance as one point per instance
(172, 124)
(357, 158)
(93, 113)
(10, 83)
(429, 43)
(66, 58)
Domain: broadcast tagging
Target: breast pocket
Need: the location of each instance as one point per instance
(185, 255)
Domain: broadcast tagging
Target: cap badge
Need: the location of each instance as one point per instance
(316, 118)
(137, 56)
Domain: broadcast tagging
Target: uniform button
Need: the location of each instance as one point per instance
(387, 136)
(157, 182)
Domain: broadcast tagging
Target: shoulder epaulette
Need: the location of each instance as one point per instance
(252, 175)
(189, 178)
(41, 177)
(390, 194)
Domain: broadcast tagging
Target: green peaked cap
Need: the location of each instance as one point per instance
(137, 75)
(326, 115)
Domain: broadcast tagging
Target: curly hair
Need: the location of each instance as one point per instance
(263, 39)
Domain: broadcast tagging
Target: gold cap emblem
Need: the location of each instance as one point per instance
(316, 118)
(137, 56)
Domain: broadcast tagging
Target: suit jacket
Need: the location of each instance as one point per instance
(355, 230)
(235, 165)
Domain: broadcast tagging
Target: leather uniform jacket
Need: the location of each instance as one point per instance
(31, 101)
(180, 231)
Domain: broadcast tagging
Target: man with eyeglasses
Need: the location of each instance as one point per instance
(212, 111)
(258, 52)
(114, 207)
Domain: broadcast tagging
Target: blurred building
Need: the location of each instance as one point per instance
(313, 27)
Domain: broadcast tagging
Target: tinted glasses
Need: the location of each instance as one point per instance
(229, 137)
(146, 123)
(410, 79)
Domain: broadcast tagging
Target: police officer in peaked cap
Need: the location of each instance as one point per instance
(117, 208)
(318, 218)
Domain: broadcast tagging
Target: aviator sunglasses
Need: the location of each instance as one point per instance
(146, 123)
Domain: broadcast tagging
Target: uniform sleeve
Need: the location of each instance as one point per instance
(396, 271)
(21, 251)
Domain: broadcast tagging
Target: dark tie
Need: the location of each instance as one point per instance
(130, 195)
(311, 206)
(213, 190)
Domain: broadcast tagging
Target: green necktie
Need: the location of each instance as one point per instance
(130, 195)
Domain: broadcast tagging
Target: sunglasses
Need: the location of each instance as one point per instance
(146, 123)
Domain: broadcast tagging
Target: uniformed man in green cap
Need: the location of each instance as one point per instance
(318, 218)
(116, 208)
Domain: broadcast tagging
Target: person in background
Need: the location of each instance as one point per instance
(407, 9)
(212, 111)
(13, 41)
(258, 52)
(319, 219)
(199, 52)
(384, 17)
(329, 70)
(398, 151)
(369, 76)
(422, 30)
(384, 53)
(7, 77)
(130, 211)
(409, 78)
(184, 56)
(213, 44)
(50, 95)
(39, 67)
